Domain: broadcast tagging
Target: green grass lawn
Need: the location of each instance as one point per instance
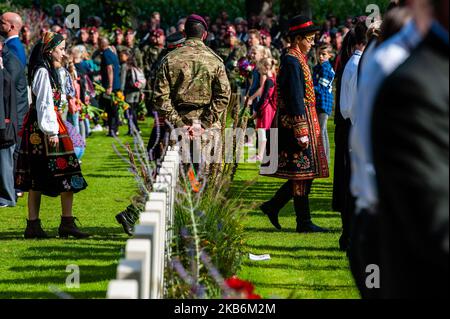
(301, 265)
(30, 268)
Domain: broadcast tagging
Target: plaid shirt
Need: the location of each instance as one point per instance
(323, 77)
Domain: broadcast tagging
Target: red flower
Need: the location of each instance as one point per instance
(240, 285)
(61, 163)
(57, 95)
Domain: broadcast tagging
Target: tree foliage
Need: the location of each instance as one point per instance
(130, 12)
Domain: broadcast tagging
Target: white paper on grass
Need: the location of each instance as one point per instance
(259, 257)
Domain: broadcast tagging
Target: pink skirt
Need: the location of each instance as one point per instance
(268, 114)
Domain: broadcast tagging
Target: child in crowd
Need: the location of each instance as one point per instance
(131, 86)
(266, 107)
(323, 77)
(257, 54)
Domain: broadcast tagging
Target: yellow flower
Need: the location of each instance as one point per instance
(120, 96)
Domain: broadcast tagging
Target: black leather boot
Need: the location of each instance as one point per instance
(34, 230)
(128, 219)
(69, 228)
(304, 223)
(272, 207)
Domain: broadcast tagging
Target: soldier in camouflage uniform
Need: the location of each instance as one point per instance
(130, 43)
(157, 141)
(230, 54)
(267, 42)
(191, 88)
(118, 41)
(151, 51)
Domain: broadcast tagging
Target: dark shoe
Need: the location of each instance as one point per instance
(310, 228)
(69, 228)
(271, 213)
(128, 219)
(34, 230)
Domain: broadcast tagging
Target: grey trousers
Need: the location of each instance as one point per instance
(323, 121)
(7, 191)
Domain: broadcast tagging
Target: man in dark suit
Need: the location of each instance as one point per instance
(411, 154)
(17, 71)
(8, 133)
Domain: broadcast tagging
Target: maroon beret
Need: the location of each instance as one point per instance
(198, 19)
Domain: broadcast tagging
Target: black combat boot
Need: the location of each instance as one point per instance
(304, 223)
(34, 230)
(69, 228)
(128, 219)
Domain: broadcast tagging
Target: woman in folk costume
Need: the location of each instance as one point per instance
(301, 155)
(47, 163)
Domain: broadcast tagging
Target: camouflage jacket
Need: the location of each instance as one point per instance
(276, 54)
(138, 56)
(231, 57)
(150, 57)
(192, 84)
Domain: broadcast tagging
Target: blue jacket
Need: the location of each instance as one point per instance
(17, 48)
(323, 77)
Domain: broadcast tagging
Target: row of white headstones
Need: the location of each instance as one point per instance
(140, 275)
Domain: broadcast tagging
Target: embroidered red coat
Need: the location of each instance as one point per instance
(297, 118)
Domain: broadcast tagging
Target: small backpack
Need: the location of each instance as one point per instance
(138, 78)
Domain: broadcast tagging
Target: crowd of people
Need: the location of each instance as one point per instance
(385, 82)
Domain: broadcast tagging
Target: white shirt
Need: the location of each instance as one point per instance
(376, 67)
(63, 78)
(349, 86)
(41, 87)
(10, 38)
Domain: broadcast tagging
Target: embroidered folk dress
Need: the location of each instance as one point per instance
(40, 166)
(297, 118)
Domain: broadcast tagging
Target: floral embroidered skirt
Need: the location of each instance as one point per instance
(42, 167)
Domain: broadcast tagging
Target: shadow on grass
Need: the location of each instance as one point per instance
(286, 230)
(300, 256)
(292, 249)
(294, 286)
(291, 267)
(74, 293)
(97, 233)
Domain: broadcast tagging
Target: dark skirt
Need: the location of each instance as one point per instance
(47, 169)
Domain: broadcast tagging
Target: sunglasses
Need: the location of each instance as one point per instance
(310, 38)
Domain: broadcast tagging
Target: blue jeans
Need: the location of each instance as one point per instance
(74, 120)
(7, 191)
